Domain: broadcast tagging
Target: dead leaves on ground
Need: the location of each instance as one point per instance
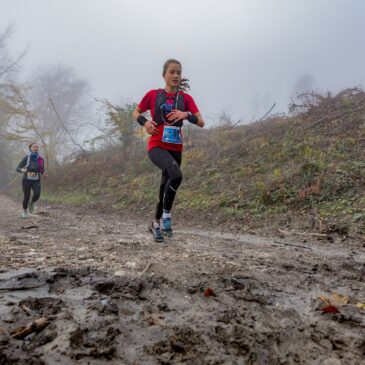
(335, 301)
(208, 292)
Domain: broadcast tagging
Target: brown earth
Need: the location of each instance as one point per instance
(113, 296)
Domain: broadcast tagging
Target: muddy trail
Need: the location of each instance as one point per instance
(109, 295)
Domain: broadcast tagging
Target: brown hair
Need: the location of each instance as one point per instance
(31, 145)
(184, 82)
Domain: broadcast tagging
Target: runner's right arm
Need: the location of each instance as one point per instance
(22, 163)
(148, 125)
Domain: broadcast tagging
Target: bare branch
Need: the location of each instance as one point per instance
(13, 64)
(65, 128)
(267, 113)
(22, 100)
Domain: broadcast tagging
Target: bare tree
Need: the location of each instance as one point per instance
(53, 106)
(8, 65)
(59, 102)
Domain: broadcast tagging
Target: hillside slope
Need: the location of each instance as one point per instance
(305, 171)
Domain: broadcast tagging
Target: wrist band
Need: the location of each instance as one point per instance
(141, 120)
(193, 119)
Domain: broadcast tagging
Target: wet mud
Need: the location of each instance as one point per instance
(111, 295)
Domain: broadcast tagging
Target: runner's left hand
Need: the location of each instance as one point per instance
(177, 115)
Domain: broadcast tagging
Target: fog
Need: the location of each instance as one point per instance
(241, 56)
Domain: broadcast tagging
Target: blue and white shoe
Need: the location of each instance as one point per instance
(167, 227)
(155, 229)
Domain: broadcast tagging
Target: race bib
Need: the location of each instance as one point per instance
(32, 176)
(171, 134)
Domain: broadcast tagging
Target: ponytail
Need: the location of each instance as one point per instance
(184, 85)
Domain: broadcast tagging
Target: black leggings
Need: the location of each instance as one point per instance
(29, 185)
(169, 162)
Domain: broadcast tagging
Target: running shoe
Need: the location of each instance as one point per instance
(154, 228)
(166, 227)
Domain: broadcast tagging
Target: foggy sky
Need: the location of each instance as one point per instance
(240, 55)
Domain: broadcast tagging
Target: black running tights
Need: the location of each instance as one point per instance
(169, 162)
(29, 185)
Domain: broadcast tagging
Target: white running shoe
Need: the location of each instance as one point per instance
(24, 215)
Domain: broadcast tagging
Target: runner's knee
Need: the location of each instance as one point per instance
(176, 178)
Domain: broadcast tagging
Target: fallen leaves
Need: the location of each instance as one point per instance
(335, 301)
(208, 292)
(339, 299)
(330, 309)
(324, 299)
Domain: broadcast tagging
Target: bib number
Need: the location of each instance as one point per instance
(32, 176)
(171, 134)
